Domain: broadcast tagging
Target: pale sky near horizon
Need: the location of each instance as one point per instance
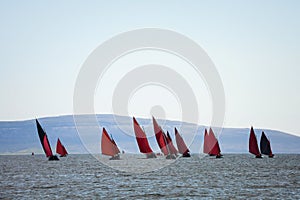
(255, 47)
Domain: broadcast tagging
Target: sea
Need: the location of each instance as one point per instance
(235, 176)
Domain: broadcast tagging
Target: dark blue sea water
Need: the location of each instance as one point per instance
(238, 176)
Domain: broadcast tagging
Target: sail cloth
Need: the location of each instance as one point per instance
(182, 148)
(44, 139)
(265, 146)
(170, 144)
(108, 147)
(60, 149)
(141, 138)
(160, 137)
(206, 142)
(253, 147)
(214, 148)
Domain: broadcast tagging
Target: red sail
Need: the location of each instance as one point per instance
(141, 138)
(171, 147)
(115, 147)
(47, 147)
(160, 137)
(253, 147)
(60, 149)
(182, 148)
(214, 149)
(205, 144)
(107, 146)
(44, 139)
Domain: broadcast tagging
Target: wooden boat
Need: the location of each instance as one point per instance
(211, 144)
(265, 146)
(142, 140)
(253, 147)
(109, 146)
(162, 141)
(45, 142)
(182, 148)
(172, 148)
(215, 147)
(60, 149)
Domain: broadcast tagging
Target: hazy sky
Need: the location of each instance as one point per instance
(254, 45)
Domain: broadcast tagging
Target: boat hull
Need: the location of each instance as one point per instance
(51, 158)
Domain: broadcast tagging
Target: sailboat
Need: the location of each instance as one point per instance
(182, 148)
(60, 149)
(211, 145)
(265, 146)
(45, 142)
(142, 141)
(109, 146)
(253, 147)
(162, 141)
(170, 144)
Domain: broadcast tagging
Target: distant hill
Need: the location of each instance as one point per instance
(20, 137)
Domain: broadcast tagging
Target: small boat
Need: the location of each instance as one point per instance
(161, 139)
(182, 148)
(60, 149)
(172, 148)
(215, 147)
(109, 146)
(142, 140)
(45, 142)
(211, 145)
(253, 147)
(265, 146)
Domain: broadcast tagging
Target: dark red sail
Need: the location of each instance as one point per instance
(172, 149)
(214, 148)
(253, 147)
(60, 149)
(141, 139)
(265, 146)
(44, 139)
(182, 148)
(107, 146)
(161, 141)
(206, 142)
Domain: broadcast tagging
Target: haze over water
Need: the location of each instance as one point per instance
(236, 176)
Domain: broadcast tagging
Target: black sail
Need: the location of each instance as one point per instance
(265, 147)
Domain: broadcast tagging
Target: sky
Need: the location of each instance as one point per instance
(255, 47)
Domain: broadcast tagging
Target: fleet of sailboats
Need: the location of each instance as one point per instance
(211, 144)
(109, 147)
(162, 141)
(265, 145)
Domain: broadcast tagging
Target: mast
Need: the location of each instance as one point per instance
(253, 147)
